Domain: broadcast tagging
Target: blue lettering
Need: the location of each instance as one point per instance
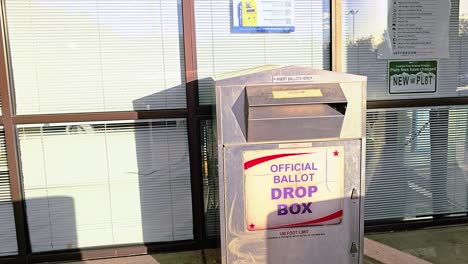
(288, 191)
(312, 189)
(282, 209)
(275, 193)
(274, 168)
(295, 208)
(306, 208)
(301, 192)
(276, 179)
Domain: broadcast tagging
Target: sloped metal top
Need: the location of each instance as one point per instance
(288, 94)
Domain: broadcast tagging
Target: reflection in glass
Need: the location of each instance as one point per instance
(364, 27)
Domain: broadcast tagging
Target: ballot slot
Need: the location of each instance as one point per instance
(294, 112)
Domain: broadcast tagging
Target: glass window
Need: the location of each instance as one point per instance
(417, 162)
(463, 32)
(96, 184)
(219, 50)
(364, 25)
(8, 245)
(94, 56)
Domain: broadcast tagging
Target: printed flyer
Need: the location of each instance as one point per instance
(416, 29)
(412, 77)
(293, 187)
(254, 16)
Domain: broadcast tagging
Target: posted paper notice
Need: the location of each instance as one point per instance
(272, 16)
(416, 29)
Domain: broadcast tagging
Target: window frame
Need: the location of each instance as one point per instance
(193, 113)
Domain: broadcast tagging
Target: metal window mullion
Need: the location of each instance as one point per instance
(193, 124)
(336, 33)
(16, 184)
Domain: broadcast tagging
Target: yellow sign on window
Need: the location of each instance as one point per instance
(249, 13)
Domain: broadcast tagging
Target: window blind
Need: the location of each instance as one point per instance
(94, 56)
(361, 40)
(463, 33)
(96, 184)
(8, 244)
(417, 162)
(220, 51)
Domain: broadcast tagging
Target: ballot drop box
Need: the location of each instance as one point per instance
(291, 166)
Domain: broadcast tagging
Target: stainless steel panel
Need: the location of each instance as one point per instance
(328, 244)
(261, 95)
(258, 120)
(294, 128)
(294, 112)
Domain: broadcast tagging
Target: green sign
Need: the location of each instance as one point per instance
(412, 77)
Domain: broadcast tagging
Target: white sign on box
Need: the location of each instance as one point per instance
(293, 187)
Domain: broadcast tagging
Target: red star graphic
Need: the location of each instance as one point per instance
(252, 226)
(335, 153)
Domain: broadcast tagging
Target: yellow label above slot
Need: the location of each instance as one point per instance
(285, 94)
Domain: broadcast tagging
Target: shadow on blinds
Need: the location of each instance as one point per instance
(163, 164)
(416, 163)
(163, 175)
(164, 181)
(8, 243)
(52, 223)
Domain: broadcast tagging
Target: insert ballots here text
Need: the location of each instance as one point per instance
(293, 187)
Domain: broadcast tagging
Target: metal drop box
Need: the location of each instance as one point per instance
(291, 168)
(319, 108)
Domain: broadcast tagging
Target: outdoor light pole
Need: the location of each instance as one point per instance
(353, 13)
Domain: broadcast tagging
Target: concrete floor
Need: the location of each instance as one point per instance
(441, 245)
(127, 260)
(211, 259)
(444, 245)
(207, 256)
